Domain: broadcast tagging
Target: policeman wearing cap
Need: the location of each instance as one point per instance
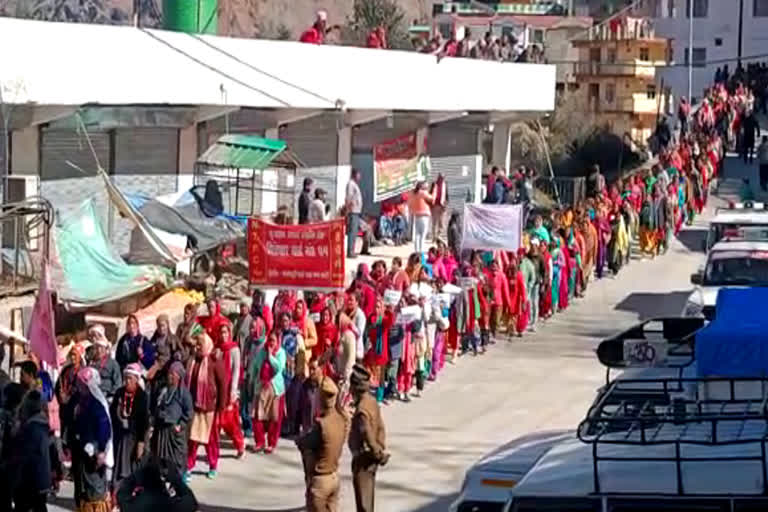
(321, 449)
(367, 440)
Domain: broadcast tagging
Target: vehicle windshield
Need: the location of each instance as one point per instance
(744, 270)
(718, 230)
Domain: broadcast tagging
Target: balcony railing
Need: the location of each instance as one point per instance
(639, 68)
(622, 29)
(638, 103)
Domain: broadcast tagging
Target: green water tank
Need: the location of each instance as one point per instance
(192, 16)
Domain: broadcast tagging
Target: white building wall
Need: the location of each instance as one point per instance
(721, 22)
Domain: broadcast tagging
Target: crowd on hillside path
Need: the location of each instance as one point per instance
(315, 367)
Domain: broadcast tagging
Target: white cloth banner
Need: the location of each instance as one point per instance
(492, 226)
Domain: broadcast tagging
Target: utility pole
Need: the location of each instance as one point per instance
(690, 50)
(741, 30)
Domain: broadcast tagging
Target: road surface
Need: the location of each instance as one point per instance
(544, 381)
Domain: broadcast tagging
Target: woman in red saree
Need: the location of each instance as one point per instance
(518, 319)
(327, 340)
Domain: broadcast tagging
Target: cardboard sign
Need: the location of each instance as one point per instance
(392, 297)
(409, 314)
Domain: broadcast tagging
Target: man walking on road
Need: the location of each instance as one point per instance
(354, 208)
(762, 158)
(321, 450)
(751, 132)
(367, 440)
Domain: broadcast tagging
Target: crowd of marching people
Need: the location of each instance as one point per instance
(308, 360)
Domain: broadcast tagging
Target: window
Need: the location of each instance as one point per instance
(651, 91)
(611, 57)
(760, 8)
(699, 57)
(718, 41)
(610, 93)
(537, 36)
(700, 8)
(645, 54)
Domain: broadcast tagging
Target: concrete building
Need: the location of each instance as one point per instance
(545, 25)
(715, 37)
(617, 76)
(152, 102)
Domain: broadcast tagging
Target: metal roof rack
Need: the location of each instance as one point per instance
(668, 342)
(675, 412)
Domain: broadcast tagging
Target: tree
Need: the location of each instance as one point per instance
(575, 138)
(370, 14)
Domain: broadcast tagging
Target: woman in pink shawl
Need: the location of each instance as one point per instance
(435, 259)
(284, 303)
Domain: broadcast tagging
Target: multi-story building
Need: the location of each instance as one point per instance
(716, 36)
(617, 75)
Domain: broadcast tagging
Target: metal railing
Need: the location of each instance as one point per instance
(569, 190)
(24, 244)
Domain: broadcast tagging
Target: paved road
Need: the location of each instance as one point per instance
(543, 382)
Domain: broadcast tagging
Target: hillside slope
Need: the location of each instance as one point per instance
(284, 19)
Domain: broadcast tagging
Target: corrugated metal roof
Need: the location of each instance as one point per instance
(242, 151)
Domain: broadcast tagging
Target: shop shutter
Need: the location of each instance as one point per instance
(453, 152)
(60, 146)
(315, 143)
(146, 163)
(66, 187)
(448, 139)
(365, 136)
(460, 173)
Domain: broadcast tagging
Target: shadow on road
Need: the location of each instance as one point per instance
(440, 504)
(693, 239)
(649, 305)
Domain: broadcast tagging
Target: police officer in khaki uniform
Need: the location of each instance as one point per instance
(367, 440)
(321, 449)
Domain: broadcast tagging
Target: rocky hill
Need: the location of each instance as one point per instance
(273, 19)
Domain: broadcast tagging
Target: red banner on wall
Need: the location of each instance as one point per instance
(304, 257)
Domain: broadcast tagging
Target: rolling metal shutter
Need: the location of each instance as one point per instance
(146, 163)
(365, 136)
(453, 152)
(147, 151)
(315, 143)
(66, 187)
(59, 146)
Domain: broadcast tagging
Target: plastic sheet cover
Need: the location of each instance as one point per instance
(735, 344)
(88, 271)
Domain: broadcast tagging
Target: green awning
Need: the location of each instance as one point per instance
(244, 152)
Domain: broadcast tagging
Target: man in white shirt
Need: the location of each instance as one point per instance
(354, 208)
(317, 207)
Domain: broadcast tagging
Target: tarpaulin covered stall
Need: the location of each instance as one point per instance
(87, 271)
(257, 176)
(182, 223)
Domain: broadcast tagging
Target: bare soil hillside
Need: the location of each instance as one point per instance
(274, 19)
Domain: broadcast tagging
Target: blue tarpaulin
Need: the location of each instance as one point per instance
(735, 344)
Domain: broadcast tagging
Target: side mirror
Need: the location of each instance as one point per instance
(696, 278)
